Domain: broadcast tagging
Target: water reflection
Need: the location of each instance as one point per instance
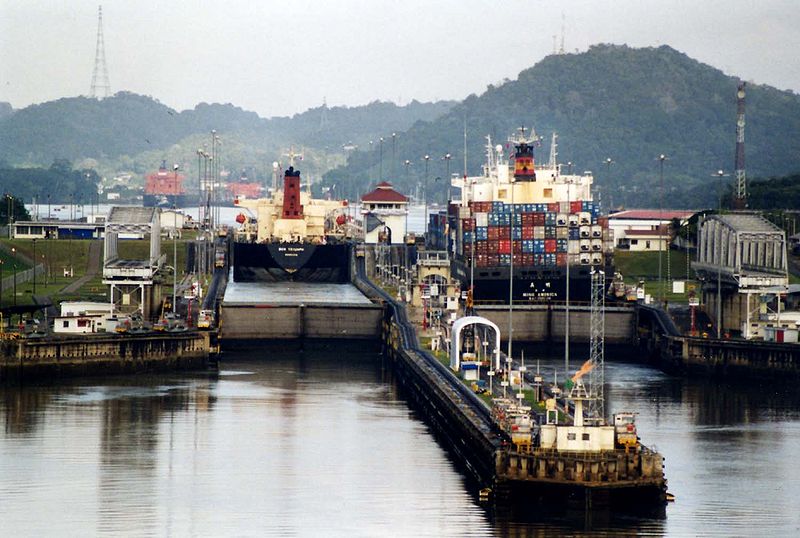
(321, 442)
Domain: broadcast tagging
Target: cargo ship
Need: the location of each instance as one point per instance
(291, 236)
(529, 220)
(244, 189)
(164, 188)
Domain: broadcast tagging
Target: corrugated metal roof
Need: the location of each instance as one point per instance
(651, 214)
(747, 222)
(131, 215)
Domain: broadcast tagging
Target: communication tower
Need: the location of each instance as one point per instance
(741, 180)
(100, 86)
(597, 331)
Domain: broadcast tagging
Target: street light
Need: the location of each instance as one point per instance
(447, 158)
(14, 268)
(34, 266)
(394, 161)
(661, 158)
(720, 174)
(380, 172)
(425, 194)
(608, 162)
(175, 248)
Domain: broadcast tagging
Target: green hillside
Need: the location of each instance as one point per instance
(612, 101)
(132, 134)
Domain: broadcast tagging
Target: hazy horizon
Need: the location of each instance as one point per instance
(279, 59)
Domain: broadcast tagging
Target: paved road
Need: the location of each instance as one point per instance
(92, 267)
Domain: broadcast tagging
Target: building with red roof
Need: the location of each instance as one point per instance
(385, 213)
(645, 230)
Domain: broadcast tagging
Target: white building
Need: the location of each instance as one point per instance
(81, 317)
(644, 230)
(385, 213)
(172, 220)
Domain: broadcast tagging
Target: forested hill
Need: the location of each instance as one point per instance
(615, 102)
(128, 124)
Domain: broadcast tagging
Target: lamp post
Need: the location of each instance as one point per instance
(394, 160)
(175, 248)
(200, 186)
(608, 162)
(720, 174)
(425, 194)
(661, 159)
(380, 170)
(447, 158)
(569, 167)
(14, 268)
(34, 266)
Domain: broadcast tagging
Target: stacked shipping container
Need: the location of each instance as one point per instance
(551, 234)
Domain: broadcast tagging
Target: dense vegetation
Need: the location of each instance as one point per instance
(58, 183)
(783, 192)
(133, 133)
(613, 101)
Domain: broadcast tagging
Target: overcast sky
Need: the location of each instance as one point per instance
(282, 57)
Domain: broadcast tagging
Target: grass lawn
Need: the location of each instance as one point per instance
(60, 254)
(643, 266)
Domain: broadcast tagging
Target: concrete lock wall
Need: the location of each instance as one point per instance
(295, 321)
(543, 323)
(92, 355)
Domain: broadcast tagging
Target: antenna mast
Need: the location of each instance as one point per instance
(100, 72)
(563, 25)
(741, 179)
(554, 151)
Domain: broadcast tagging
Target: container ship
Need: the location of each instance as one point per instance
(291, 236)
(164, 188)
(546, 218)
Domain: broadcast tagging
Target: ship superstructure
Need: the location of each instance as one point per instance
(164, 188)
(291, 236)
(546, 217)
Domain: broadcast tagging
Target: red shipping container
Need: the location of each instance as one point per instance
(527, 232)
(538, 219)
(550, 245)
(576, 207)
(504, 246)
(518, 260)
(561, 259)
(603, 221)
(481, 260)
(527, 219)
(518, 247)
(493, 260)
(482, 247)
(527, 259)
(494, 233)
(505, 232)
(467, 249)
(493, 246)
(553, 206)
(467, 224)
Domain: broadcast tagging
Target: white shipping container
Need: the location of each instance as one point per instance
(562, 219)
(585, 218)
(482, 219)
(597, 245)
(586, 245)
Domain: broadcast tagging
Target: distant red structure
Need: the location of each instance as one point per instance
(164, 187)
(244, 188)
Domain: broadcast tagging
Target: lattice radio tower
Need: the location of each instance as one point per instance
(100, 86)
(597, 345)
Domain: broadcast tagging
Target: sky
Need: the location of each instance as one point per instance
(283, 57)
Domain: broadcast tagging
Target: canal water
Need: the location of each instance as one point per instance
(319, 442)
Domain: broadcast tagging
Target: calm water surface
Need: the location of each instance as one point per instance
(320, 443)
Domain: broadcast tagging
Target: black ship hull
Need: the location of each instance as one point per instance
(532, 284)
(297, 262)
(164, 200)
